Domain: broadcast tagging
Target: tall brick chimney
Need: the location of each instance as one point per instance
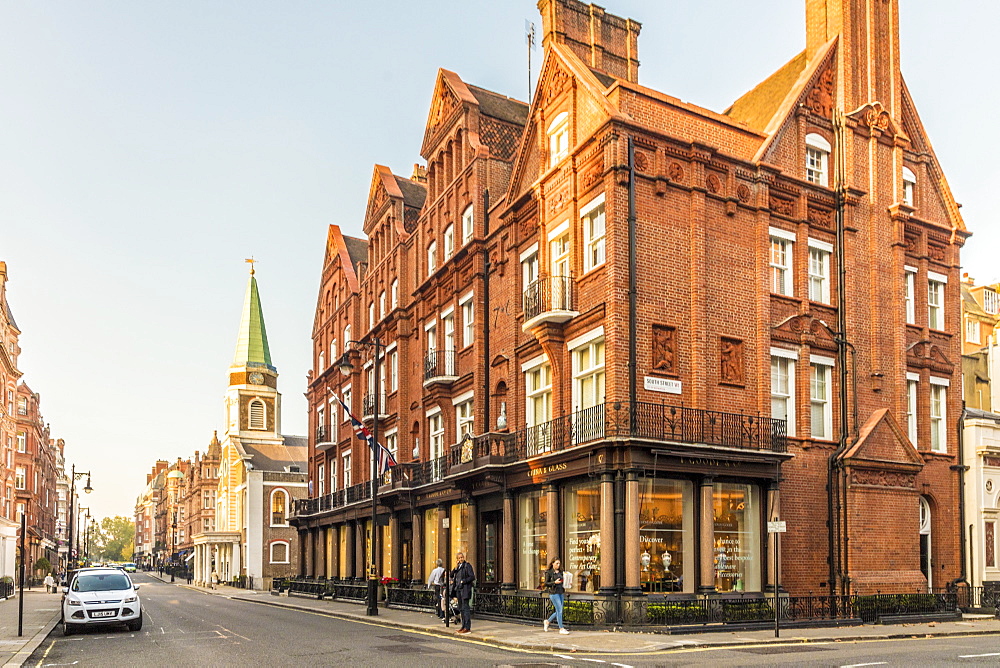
(868, 51)
(604, 41)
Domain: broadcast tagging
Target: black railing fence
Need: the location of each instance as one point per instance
(533, 607)
(439, 364)
(324, 433)
(617, 419)
(6, 589)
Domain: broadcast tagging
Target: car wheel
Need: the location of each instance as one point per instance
(135, 624)
(68, 629)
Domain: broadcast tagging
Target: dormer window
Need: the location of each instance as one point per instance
(817, 159)
(909, 185)
(990, 301)
(558, 139)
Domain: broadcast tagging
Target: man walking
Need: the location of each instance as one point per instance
(436, 581)
(463, 578)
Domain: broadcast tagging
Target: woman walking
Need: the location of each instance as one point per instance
(554, 580)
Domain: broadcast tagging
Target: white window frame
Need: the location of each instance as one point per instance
(321, 474)
(972, 330)
(448, 328)
(394, 293)
(270, 507)
(392, 441)
(537, 391)
(592, 377)
(939, 414)
(821, 377)
(909, 186)
(820, 253)
(20, 477)
(912, 387)
(431, 257)
(788, 362)
(371, 315)
(468, 308)
(346, 468)
(558, 134)
(381, 304)
(449, 241)
(991, 301)
(252, 424)
(468, 224)
(288, 551)
(594, 222)
(782, 268)
(393, 370)
(529, 266)
(345, 393)
(464, 415)
(935, 300)
(817, 163)
(435, 429)
(22, 441)
(910, 294)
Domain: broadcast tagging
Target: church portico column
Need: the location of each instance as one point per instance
(706, 525)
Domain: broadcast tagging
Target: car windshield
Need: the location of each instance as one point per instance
(101, 582)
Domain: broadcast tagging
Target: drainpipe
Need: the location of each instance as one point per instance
(837, 554)
(632, 290)
(962, 468)
(486, 312)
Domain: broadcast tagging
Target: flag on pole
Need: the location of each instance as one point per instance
(385, 458)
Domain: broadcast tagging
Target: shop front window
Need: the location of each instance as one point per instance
(461, 529)
(430, 540)
(666, 536)
(532, 512)
(737, 537)
(342, 551)
(582, 553)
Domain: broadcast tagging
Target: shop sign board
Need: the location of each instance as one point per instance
(776, 527)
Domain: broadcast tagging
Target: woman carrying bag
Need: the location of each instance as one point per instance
(555, 581)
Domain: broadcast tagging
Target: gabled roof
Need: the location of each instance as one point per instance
(357, 250)
(9, 313)
(757, 107)
(499, 106)
(293, 451)
(414, 194)
(251, 344)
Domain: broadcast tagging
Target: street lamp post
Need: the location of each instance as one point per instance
(86, 539)
(173, 537)
(82, 516)
(74, 476)
(346, 367)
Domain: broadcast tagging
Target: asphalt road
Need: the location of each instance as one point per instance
(185, 627)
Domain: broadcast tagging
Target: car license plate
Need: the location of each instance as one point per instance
(103, 613)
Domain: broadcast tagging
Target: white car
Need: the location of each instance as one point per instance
(98, 596)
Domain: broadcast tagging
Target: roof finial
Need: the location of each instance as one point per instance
(251, 260)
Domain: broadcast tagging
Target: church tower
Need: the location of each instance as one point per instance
(253, 403)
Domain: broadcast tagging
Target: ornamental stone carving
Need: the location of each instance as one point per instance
(713, 183)
(557, 84)
(665, 348)
(641, 162)
(785, 207)
(731, 360)
(820, 98)
(743, 192)
(883, 478)
(675, 172)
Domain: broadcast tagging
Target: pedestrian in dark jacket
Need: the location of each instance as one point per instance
(462, 578)
(555, 578)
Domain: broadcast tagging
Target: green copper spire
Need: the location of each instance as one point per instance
(251, 346)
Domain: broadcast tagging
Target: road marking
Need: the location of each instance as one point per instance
(974, 656)
(593, 660)
(858, 665)
(563, 656)
(621, 665)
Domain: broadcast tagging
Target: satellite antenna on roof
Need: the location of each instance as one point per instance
(529, 38)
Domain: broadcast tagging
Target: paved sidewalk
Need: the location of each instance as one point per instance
(41, 614)
(527, 637)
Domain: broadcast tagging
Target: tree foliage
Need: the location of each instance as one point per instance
(113, 539)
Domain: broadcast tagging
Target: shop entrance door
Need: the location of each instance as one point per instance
(489, 547)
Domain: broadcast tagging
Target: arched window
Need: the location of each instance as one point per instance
(279, 552)
(257, 414)
(279, 504)
(347, 337)
(322, 362)
(817, 159)
(558, 138)
(925, 541)
(909, 185)
(467, 224)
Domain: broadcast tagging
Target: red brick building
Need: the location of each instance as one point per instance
(628, 331)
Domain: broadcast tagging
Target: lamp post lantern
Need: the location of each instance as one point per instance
(74, 476)
(346, 368)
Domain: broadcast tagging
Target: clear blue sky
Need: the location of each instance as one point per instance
(147, 148)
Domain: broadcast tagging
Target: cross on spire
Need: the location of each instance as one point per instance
(251, 260)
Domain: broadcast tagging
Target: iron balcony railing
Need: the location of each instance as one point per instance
(324, 434)
(368, 404)
(439, 364)
(618, 419)
(547, 294)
